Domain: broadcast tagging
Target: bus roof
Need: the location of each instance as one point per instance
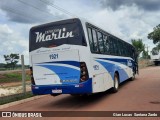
(83, 21)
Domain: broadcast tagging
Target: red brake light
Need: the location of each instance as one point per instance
(84, 72)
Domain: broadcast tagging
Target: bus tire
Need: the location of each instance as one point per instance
(79, 95)
(133, 77)
(116, 83)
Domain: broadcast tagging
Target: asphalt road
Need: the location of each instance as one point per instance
(142, 94)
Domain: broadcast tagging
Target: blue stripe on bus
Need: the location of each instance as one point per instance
(84, 88)
(73, 63)
(119, 60)
(122, 61)
(111, 68)
(64, 73)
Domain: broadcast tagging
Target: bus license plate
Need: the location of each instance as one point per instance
(56, 91)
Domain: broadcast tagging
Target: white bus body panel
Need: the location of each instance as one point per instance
(102, 78)
(43, 76)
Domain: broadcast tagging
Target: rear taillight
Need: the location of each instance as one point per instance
(84, 72)
(31, 75)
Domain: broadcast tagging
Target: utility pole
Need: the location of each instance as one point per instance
(23, 75)
(146, 46)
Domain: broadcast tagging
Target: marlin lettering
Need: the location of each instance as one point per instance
(53, 36)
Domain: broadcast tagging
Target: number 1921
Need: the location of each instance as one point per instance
(53, 56)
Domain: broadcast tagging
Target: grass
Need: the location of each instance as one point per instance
(13, 77)
(16, 97)
(2, 69)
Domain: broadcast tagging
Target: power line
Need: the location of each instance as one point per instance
(11, 10)
(23, 15)
(35, 7)
(59, 8)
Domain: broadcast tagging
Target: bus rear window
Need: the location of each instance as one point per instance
(56, 34)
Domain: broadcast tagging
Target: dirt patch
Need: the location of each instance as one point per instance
(10, 91)
(5, 91)
(142, 63)
(11, 84)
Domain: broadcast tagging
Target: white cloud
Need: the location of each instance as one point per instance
(12, 42)
(126, 22)
(5, 30)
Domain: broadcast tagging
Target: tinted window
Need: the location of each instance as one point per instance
(57, 33)
(106, 44)
(90, 39)
(111, 49)
(94, 36)
(125, 50)
(121, 47)
(116, 47)
(101, 43)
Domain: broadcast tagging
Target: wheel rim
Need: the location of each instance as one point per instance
(116, 82)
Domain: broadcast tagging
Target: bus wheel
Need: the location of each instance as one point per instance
(79, 95)
(133, 77)
(75, 95)
(116, 83)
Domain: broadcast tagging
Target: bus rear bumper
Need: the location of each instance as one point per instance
(81, 88)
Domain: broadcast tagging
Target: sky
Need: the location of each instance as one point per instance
(126, 19)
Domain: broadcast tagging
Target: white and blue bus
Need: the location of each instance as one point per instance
(76, 57)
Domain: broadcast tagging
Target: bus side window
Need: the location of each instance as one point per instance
(100, 41)
(106, 44)
(90, 39)
(123, 49)
(94, 36)
(111, 46)
(128, 51)
(133, 53)
(116, 47)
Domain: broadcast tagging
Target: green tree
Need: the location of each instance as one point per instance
(138, 44)
(145, 55)
(11, 60)
(158, 46)
(155, 34)
(155, 50)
